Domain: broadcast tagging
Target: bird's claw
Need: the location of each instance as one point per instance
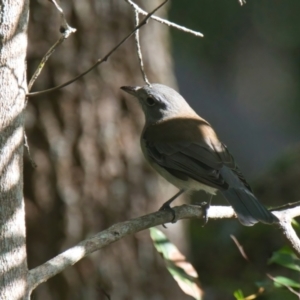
(166, 207)
(205, 206)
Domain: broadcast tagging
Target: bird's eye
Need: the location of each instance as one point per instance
(150, 101)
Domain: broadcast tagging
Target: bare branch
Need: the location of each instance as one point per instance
(66, 31)
(285, 206)
(163, 21)
(286, 286)
(64, 24)
(138, 48)
(240, 247)
(33, 164)
(116, 232)
(287, 229)
(100, 61)
(242, 2)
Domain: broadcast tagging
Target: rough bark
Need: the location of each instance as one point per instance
(13, 44)
(85, 141)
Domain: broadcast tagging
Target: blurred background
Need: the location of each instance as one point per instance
(243, 77)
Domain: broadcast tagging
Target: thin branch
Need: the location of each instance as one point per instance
(64, 25)
(33, 164)
(66, 31)
(285, 223)
(286, 286)
(99, 61)
(114, 233)
(242, 2)
(163, 21)
(138, 48)
(240, 247)
(285, 206)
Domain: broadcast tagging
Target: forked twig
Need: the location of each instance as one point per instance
(99, 61)
(66, 31)
(163, 21)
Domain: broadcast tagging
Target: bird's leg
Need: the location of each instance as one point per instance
(166, 205)
(205, 206)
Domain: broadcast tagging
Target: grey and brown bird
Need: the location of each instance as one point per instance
(184, 149)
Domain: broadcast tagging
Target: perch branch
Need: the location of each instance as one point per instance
(116, 232)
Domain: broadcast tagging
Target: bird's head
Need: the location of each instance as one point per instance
(159, 102)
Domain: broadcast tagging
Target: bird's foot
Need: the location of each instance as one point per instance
(205, 207)
(166, 207)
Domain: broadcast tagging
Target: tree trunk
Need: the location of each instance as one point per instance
(85, 142)
(13, 38)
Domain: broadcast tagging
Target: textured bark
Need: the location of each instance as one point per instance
(13, 39)
(85, 141)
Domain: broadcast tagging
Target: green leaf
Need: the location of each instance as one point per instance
(295, 224)
(286, 258)
(281, 281)
(238, 294)
(180, 269)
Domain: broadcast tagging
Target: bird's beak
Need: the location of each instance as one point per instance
(132, 90)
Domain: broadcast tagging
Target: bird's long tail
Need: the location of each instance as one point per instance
(248, 209)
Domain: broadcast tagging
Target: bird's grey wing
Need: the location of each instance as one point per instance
(228, 162)
(188, 160)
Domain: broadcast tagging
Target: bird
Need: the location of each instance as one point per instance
(184, 149)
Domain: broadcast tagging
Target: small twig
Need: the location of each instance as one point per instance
(99, 61)
(66, 31)
(285, 206)
(163, 21)
(138, 48)
(286, 286)
(33, 164)
(240, 247)
(64, 25)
